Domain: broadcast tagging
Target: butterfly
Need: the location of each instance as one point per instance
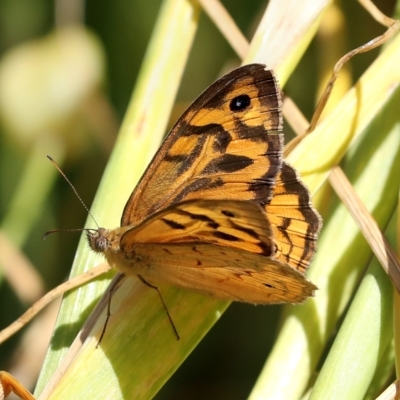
(218, 211)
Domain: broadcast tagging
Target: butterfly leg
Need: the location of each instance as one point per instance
(163, 303)
(8, 384)
(111, 291)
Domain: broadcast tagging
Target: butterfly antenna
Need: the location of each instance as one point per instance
(66, 230)
(73, 188)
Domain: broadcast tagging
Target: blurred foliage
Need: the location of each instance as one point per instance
(227, 362)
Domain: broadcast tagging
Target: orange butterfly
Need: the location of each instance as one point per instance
(218, 211)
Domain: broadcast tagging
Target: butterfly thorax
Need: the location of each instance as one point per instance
(108, 243)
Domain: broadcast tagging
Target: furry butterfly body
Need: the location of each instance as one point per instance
(218, 211)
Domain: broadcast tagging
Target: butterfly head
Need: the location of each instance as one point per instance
(98, 239)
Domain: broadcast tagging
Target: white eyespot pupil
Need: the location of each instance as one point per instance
(240, 103)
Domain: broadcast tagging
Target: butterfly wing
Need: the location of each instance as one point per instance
(227, 145)
(221, 248)
(232, 223)
(225, 273)
(294, 221)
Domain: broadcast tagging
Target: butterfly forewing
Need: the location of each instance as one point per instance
(227, 145)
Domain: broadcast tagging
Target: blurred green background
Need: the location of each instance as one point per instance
(67, 69)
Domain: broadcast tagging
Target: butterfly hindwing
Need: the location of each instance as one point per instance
(222, 248)
(295, 223)
(225, 273)
(227, 145)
